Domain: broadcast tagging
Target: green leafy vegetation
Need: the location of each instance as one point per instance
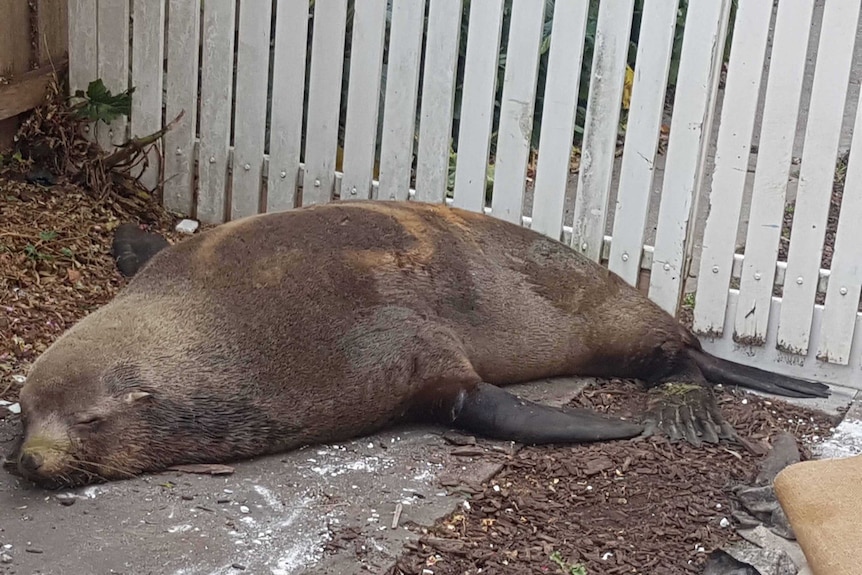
(98, 103)
(565, 567)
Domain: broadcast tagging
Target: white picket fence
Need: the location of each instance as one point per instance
(252, 140)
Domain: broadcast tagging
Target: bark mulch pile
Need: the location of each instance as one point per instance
(644, 507)
(55, 265)
(61, 197)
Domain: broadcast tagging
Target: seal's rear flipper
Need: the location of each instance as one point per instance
(719, 370)
(687, 410)
(133, 247)
(492, 412)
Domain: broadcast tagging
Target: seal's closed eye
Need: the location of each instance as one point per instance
(89, 422)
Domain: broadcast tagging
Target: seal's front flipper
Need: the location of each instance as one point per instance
(688, 411)
(727, 372)
(133, 247)
(492, 412)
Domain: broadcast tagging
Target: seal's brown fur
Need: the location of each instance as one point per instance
(324, 323)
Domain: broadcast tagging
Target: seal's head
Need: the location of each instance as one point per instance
(82, 423)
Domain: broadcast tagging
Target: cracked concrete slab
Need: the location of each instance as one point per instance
(272, 515)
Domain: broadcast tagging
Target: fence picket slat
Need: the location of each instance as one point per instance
(288, 85)
(516, 110)
(770, 358)
(642, 133)
(324, 98)
(252, 73)
(780, 113)
(217, 34)
(363, 98)
(601, 126)
(477, 104)
(113, 65)
(438, 100)
(83, 48)
(745, 71)
(399, 112)
(817, 172)
(181, 95)
(558, 117)
(845, 278)
(147, 62)
(702, 47)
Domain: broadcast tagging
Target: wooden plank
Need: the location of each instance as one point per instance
(113, 65)
(252, 74)
(477, 103)
(837, 329)
(288, 85)
(324, 97)
(816, 176)
(27, 90)
(775, 150)
(744, 74)
(438, 100)
(701, 52)
(558, 117)
(642, 133)
(147, 69)
(181, 95)
(399, 112)
(601, 126)
(363, 98)
(712, 111)
(516, 109)
(217, 32)
(15, 48)
(770, 358)
(83, 67)
(52, 29)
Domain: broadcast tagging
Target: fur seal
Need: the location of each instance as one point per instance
(329, 322)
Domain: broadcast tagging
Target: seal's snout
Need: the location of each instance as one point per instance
(30, 462)
(41, 458)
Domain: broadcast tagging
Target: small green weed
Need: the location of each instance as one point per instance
(568, 569)
(34, 254)
(688, 300)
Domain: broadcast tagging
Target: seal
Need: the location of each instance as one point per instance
(330, 322)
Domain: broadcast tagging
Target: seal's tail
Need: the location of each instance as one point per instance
(726, 372)
(133, 247)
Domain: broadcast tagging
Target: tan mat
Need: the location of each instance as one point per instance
(823, 502)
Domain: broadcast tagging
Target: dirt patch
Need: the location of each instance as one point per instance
(618, 507)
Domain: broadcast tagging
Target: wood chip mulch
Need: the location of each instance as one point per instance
(646, 507)
(55, 266)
